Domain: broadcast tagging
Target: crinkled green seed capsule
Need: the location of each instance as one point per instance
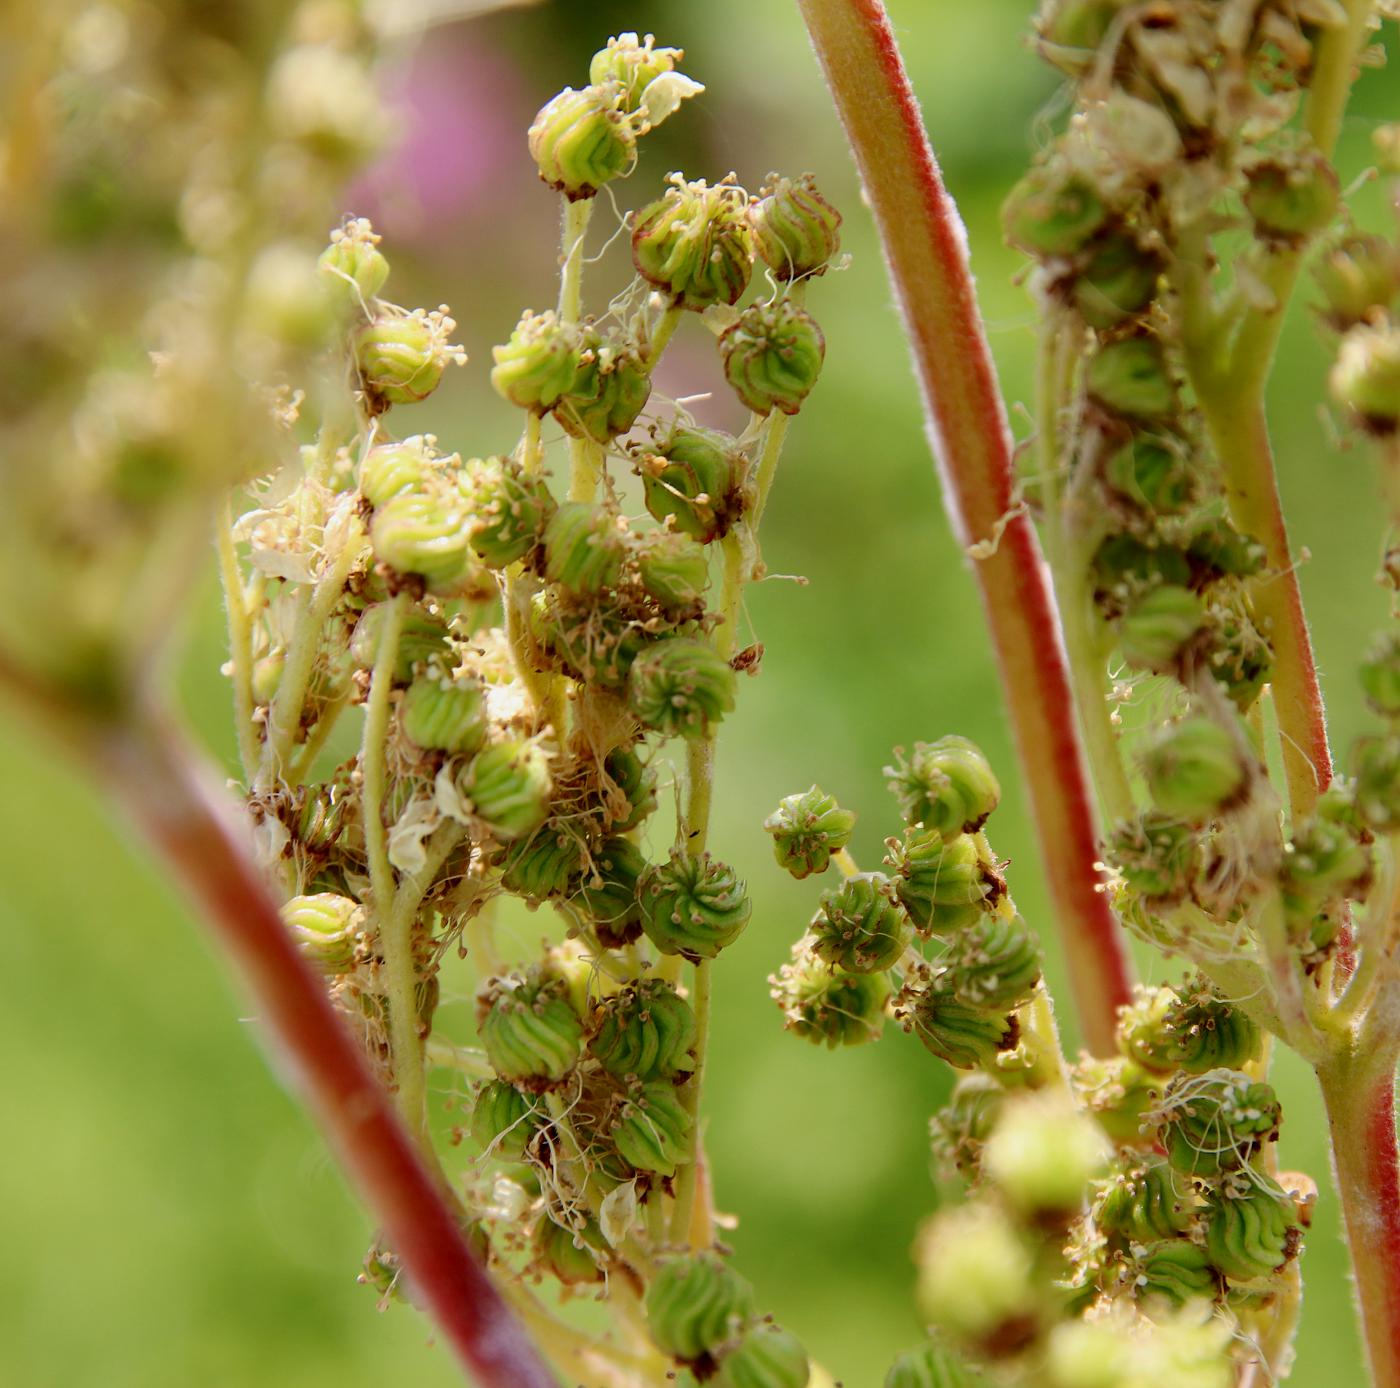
(1154, 631)
(674, 570)
(540, 363)
(1156, 854)
(697, 1307)
(651, 1129)
(610, 390)
(423, 533)
(584, 549)
(1144, 1202)
(1251, 1231)
(772, 356)
(1119, 1094)
(1042, 1155)
(608, 892)
(402, 358)
(796, 230)
(532, 1035)
(680, 686)
(947, 785)
(1380, 675)
(929, 1367)
(505, 1119)
(571, 1256)
(1050, 212)
(993, 963)
(767, 1357)
(352, 265)
(807, 828)
(694, 243)
(1376, 766)
(1366, 377)
(860, 927)
(507, 787)
(693, 907)
(1194, 1030)
(325, 927)
(1324, 861)
(1153, 473)
(1293, 196)
(826, 1005)
(545, 864)
(1214, 1123)
(942, 883)
(1193, 769)
(690, 480)
(959, 1130)
(582, 140)
(1175, 1270)
(1118, 280)
(1359, 277)
(967, 1037)
(507, 510)
(1130, 377)
(629, 789)
(391, 468)
(444, 714)
(648, 1030)
(423, 638)
(633, 64)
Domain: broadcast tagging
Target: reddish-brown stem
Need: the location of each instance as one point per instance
(174, 803)
(1360, 1096)
(926, 249)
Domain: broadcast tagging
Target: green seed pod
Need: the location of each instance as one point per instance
(507, 510)
(570, 1256)
(1366, 376)
(542, 865)
(942, 883)
(582, 140)
(1118, 280)
(1154, 474)
(1156, 854)
(1359, 278)
(402, 357)
(1042, 1155)
(633, 65)
(957, 1032)
(977, 1278)
(674, 570)
(584, 549)
(353, 266)
(532, 1035)
(1195, 1030)
(540, 363)
(1130, 378)
(1253, 1231)
(1119, 1094)
(444, 714)
(929, 1367)
(807, 828)
(505, 1120)
(947, 785)
(698, 1307)
(680, 686)
(772, 356)
(767, 1357)
(648, 1031)
(994, 963)
(1324, 862)
(1235, 651)
(391, 468)
(1174, 1270)
(1380, 675)
(796, 230)
(690, 480)
(1376, 766)
(1124, 566)
(1144, 1202)
(1153, 632)
(423, 533)
(610, 390)
(1124, 1350)
(860, 927)
(959, 1130)
(1193, 769)
(508, 787)
(1052, 213)
(632, 795)
(608, 894)
(592, 640)
(1214, 1123)
(694, 243)
(267, 675)
(823, 1005)
(1292, 197)
(326, 928)
(651, 1129)
(693, 907)
(423, 639)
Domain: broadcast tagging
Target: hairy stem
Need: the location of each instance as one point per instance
(926, 250)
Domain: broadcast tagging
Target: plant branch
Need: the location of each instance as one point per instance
(925, 246)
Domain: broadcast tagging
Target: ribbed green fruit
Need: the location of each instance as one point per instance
(680, 687)
(581, 140)
(773, 355)
(828, 1006)
(796, 230)
(767, 1357)
(697, 1307)
(528, 1026)
(693, 907)
(946, 785)
(694, 243)
(651, 1129)
(860, 926)
(505, 1119)
(807, 828)
(942, 883)
(647, 1031)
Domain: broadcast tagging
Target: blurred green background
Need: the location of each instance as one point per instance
(169, 1216)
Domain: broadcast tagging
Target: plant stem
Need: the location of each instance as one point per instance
(683, 1222)
(1359, 1093)
(240, 642)
(175, 803)
(925, 247)
(577, 214)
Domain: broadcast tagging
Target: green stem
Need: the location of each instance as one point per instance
(577, 214)
(318, 737)
(684, 1226)
(466, 1060)
(240, 643)
(661, 336)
